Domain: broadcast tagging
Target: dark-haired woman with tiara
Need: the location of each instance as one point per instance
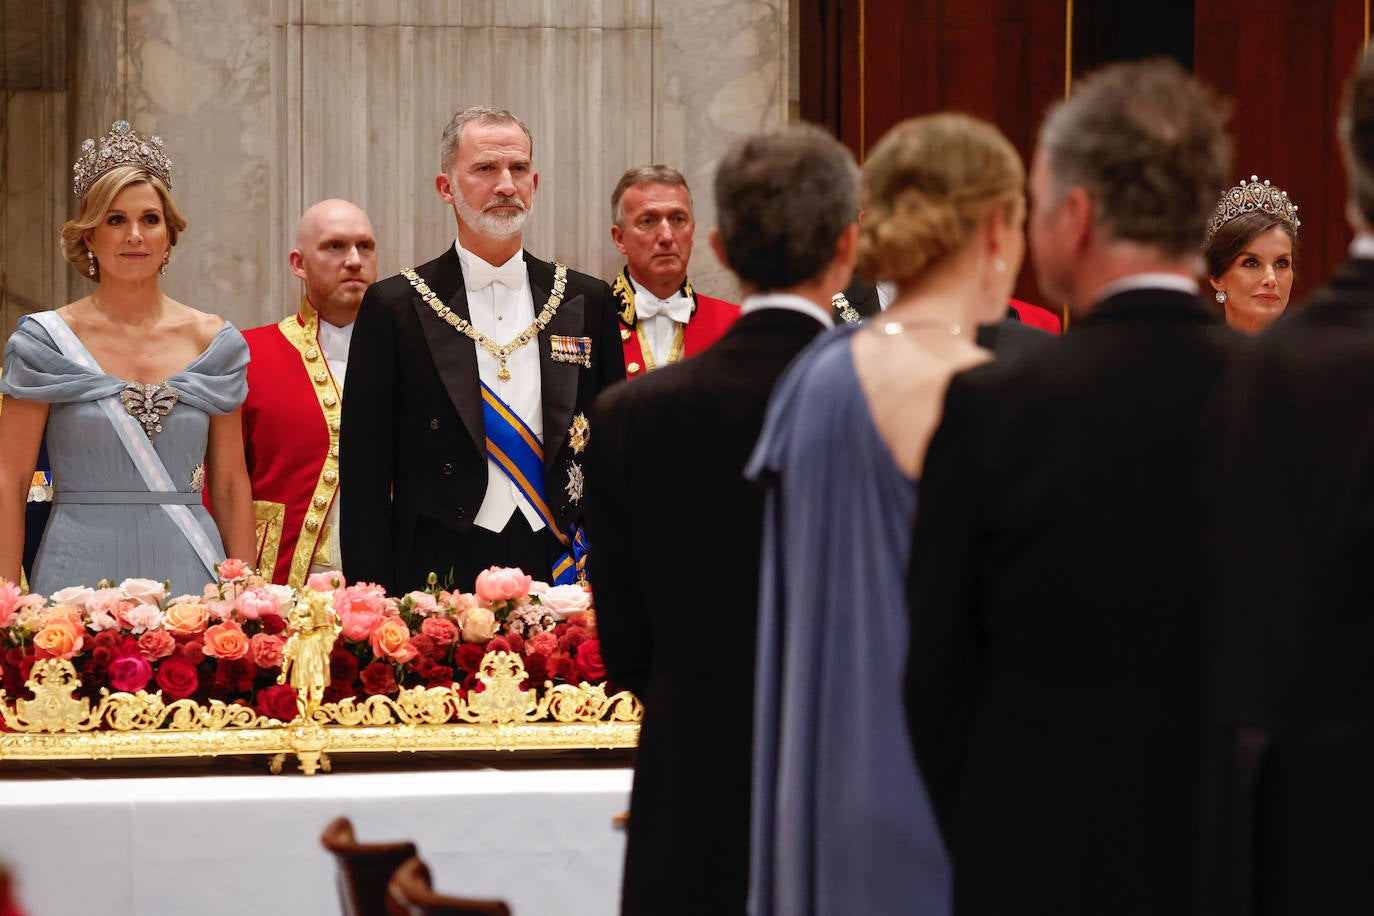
(1250, 247)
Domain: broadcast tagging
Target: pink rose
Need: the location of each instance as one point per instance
(186, 619)
(226, 641)
(266, 650)
(254, 602)
(478, 624)
(9, 602)
(503, 584)
(358, 625)
(391, 639)
(328, 581)
(541, 644)
(76, 596)
(156, 644)
(439, 629)
(130, 673)
(562, 600)
(144, 591)
(234, 570)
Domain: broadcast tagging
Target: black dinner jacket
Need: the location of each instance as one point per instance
(862, 297)
(1295, 712)
(676, 533)
(413, 457)
(1060, 639)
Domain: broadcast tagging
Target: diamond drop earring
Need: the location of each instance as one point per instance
(166, 257)
(90, 256)
(1221, 297)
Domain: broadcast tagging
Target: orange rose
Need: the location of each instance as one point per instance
(59, 639)
(60, 612)
(186, 619)
(391, 639)
(226, 640)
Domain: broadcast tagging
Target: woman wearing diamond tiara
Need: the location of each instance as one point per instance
(136, 394)
(842, 821)
(1250, 244)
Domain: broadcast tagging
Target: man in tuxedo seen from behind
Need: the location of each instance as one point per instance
(786, 203)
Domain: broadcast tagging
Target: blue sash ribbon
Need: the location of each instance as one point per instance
(519, 454)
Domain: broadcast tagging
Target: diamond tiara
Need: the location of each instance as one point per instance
(121, 146)
(1247, 197)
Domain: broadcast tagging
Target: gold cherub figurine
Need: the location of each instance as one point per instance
(305, 657)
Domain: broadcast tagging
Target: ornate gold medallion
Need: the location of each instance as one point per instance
(579, 434)
(574, 482)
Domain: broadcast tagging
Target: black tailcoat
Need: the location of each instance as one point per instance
(413, 462)
(1060, 641)
(1296, 700)
(676, 531)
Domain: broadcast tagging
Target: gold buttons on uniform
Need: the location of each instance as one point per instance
(321, 377)
(312, 354)
(335, 425)
(312, 523)
(334, 452)
(320, 502)
(331, 477)
(330, 400)
(624, 333)
(633, 367)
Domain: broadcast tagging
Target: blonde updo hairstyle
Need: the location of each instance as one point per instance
(928, 185)
(97, 202)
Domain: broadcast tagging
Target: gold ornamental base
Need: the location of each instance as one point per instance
(57, 725)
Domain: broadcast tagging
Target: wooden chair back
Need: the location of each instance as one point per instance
(363, 869)
(412, 894)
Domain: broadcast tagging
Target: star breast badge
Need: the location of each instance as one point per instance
(579, 433)
(574, 482)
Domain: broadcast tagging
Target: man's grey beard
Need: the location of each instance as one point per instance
(490, 225)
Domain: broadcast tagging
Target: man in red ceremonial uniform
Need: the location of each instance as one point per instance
(291, 420)
(662, 319)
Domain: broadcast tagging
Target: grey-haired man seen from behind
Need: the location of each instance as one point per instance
(1060, 585)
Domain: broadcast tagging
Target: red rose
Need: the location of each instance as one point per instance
(562, 667)
(235, 674)
(277, 702)
(589, 665)
(468, 656)
(572, 638)
(425, 647)
(177, 678)
(439, 676)
(130, 673)
(343, 668)
(379, 679)
(272, 624)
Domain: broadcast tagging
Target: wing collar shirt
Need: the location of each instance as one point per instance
(660, 319)
(1175, 282)
(334, 345)
(787, 301)
(501, 311)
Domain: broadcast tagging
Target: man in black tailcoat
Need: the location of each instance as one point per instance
(1295, 750)
(1060, 641)
(676, 529)
(460, 369)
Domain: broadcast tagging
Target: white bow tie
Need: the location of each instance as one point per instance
(511, 274)
(678, 307)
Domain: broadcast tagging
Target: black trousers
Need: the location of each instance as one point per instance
(457, 559)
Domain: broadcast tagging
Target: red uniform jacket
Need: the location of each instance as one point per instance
(709, 320)
(1036, 316)
(291, 440)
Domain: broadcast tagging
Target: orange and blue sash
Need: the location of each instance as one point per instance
(519, 454)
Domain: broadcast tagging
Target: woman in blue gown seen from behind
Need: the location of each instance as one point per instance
(136, 394)
(841, 820)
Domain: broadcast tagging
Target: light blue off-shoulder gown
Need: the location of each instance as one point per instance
(841, 820)
(88, 540)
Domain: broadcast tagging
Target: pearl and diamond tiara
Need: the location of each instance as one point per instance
(121, 146)
(1247, 197)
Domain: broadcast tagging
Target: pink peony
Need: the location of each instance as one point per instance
(358, 625)
(562, 600)
(253, 602)
(234, 570)
(325, 581)
(361, 596)
(144, 591)
(9, 602)
(266, 650)
(503, 584)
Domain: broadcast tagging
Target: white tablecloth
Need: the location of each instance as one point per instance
(541, 839)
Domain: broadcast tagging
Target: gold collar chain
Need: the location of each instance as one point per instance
(847, 311)
(502, 353)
